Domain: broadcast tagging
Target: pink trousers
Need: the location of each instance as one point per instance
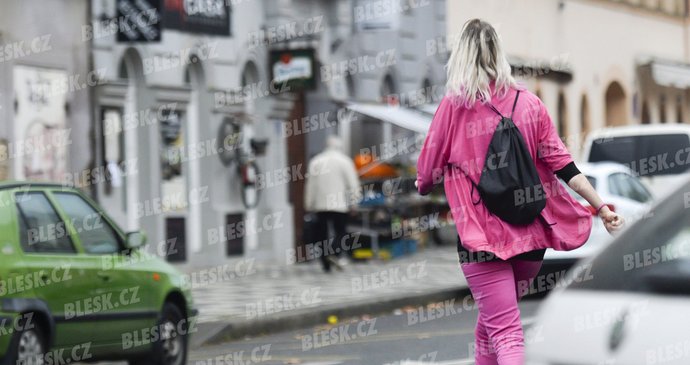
(496, 287)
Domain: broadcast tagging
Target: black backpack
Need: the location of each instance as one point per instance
(509, 185)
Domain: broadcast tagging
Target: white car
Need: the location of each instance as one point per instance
(628, 305)
(621, 190)
(658, 153)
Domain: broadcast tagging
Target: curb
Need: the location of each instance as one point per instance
(215, 333)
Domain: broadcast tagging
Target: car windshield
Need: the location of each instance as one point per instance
(646, 155)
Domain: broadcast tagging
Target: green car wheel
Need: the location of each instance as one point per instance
(171, 347)
(28, 346)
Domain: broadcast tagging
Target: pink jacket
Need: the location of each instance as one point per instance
(460, 136)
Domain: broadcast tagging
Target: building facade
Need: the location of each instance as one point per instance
(595, 63)
(179, 105)
(152, 107)
(45, 91)
(167, 101)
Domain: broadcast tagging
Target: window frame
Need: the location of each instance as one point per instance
(628, 179)
(632, 181)
(20, 215)
(613, 184)
(104, 217)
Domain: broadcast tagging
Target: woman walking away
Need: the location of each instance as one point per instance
(494, 146)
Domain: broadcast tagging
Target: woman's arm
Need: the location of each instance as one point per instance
(435, 152)
(555, 154)
(581, 185)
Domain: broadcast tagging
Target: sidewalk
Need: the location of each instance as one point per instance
(271, 299)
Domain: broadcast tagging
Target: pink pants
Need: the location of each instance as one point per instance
(495, 287)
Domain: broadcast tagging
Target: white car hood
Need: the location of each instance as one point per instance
(601, 327)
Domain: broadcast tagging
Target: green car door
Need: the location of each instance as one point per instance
(121, 298)
(55, 272)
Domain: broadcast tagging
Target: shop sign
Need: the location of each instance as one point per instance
(197, 16)
(293, 69)
(138, 20)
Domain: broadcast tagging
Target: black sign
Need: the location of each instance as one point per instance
(138, 20)
(197, 16)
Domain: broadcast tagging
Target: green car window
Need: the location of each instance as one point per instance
(40, 228)
(96, 235)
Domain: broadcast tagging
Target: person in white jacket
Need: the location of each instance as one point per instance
(332, 188)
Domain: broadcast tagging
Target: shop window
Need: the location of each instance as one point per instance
(112, 143)
(173, 186)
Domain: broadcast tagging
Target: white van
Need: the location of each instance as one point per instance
(658, 153)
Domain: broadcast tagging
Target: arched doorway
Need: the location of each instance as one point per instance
(388, 88)
(562, 116)
(250, 76)
(662, 109)
(585, 121)
(616, 112)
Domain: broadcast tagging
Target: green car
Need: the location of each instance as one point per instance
(74, 287)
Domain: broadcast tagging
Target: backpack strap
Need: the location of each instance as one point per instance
(514, 104)
(495, 110)
(511, 112)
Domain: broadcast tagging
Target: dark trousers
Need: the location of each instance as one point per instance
(332, 243)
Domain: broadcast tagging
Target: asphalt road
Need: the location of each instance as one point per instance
(438, 334)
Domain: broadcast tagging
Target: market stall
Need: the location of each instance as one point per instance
(392, 218)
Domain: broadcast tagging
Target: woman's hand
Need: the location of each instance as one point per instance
(612, 221)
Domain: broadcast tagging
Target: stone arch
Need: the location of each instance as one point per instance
(131, 67)
(615, 105)
(250, 73)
